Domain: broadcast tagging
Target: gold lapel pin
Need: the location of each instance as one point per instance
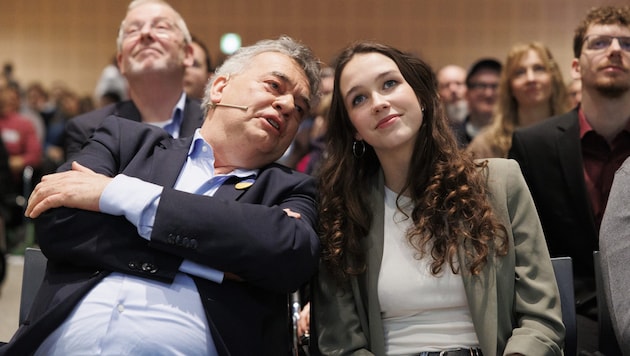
(244, 184)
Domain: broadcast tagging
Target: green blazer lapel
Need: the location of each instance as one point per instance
(374, 249)
(481, 292)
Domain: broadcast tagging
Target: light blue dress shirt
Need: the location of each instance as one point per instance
(173, 125)
(124, 314)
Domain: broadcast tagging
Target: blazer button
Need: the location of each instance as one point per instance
(193, 243)
(133, 265)
(148, 267)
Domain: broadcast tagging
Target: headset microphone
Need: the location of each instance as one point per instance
(241, 107)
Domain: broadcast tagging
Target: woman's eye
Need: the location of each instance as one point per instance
(273, 85)
(358, 100)
(519, 72)
(390, 83)
(540, 69)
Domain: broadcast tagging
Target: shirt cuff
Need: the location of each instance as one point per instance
(133, 198)
(202, 271)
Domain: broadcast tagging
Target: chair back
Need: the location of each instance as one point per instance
(32, 277)
(563, 269)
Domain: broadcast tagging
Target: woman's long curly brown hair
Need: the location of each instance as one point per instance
(448, 190)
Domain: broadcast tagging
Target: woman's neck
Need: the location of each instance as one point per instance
(530, 115)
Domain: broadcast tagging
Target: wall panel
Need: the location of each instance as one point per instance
(72, 40)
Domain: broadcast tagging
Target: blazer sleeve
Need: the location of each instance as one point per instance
(257, 241)
(101, 241)
(253, 238)
(75, 136)
(539, 329)
(614, 242)
(337, 322)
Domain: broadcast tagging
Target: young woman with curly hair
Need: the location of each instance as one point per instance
(424, 249)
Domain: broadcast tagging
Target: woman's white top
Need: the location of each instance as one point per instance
(420, 312)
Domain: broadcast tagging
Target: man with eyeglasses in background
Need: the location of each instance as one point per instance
(569, 161)
(154, 49)
(482, 84)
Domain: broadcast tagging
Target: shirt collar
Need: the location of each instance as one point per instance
(585, 126)
(200, 150)
(173, 125)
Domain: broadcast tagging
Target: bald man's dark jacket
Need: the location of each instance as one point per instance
(79, 129)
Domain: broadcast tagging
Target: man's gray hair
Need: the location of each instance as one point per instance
(241, 59)
(179, 21)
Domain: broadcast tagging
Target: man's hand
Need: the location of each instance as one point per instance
(304, 323)
(292, 213)
(79, 188)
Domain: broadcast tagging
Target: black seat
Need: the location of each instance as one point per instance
(563, 269)
(32, 277)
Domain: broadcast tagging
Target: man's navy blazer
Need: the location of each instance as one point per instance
(550, 155)
(242, 231)
(79, 129)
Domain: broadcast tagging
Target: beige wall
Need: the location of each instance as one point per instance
(72, 40)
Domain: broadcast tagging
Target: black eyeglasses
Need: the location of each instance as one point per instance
(601, 42)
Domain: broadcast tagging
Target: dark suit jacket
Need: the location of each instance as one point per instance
(550, 156)
(242, 231)
(79, 129)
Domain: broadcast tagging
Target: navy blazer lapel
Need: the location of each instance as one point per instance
(230, 189)
(374, 246)
(570, 157)
(128, 110)
(173, 153)
(170, 157)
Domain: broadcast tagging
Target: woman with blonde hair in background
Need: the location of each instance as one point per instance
(531, 89)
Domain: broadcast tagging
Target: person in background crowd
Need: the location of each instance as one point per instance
(482, 83)
(569, 160)
(452, 89)
(18, 134)
(111, 81)
(197, 74)
(306, 139)
(155, 77)
(38, 99)
(531, 89)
